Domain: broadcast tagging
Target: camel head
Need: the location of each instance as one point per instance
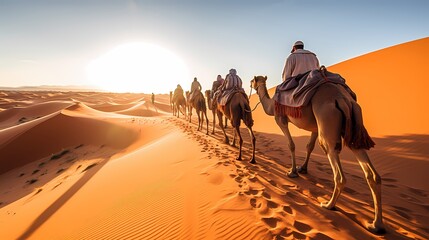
(258, 81)
(207, 92)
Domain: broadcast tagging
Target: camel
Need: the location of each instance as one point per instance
(199, 103)
(331, 115)
(179, 105)
(215, 111)
(237, 109)
(188, 105)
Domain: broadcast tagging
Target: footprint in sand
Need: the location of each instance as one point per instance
(295, 199)
(402, 213)
(349, 190)
(288, 186)
(326, 182)
(297, 235)
(322, 169)
(390, 180)
(238, 179)
(321, 236)
(252, 192)
(255, 203)
(288, 209)
(302, 227)
(417, 192)
(271, 222)
(266, 195)
(410, 198)
(272, 182)
(272, 204)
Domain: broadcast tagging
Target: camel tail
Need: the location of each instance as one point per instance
(355, 134)
(247, 113)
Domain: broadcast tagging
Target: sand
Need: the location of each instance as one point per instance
(89, 165)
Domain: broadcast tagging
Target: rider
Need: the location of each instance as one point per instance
(299, 61)
(177, 92)
(216, 84)
(232, 80)
(195, 87)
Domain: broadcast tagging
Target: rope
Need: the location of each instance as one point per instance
(253, 108)
(249, 101)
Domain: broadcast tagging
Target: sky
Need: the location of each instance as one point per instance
(54, 42)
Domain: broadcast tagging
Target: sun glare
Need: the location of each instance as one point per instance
(138, 67)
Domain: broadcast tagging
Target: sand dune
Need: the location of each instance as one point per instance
(105, 165)
(391, 87)
(14, 116)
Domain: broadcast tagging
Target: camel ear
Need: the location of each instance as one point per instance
(254, 77)
(265, 78)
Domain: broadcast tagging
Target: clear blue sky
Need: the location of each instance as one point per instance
(50, 42)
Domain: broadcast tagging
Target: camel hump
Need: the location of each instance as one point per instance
(355, 134)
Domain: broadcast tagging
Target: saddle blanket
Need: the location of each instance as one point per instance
(297, 92)
(226, 95)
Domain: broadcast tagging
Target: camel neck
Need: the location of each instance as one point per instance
(266, 101)
(209, 102)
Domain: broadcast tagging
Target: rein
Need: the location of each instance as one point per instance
(249, 99)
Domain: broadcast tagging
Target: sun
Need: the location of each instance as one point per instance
(138, 67)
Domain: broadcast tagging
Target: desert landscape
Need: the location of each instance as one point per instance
(102, 165)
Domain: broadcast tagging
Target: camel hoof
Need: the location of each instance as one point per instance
(238, 158)
(328, 206)
(292, 174)
(376, 228)
(302, 170)
(253, 161)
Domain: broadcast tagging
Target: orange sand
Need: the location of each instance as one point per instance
(103, 165)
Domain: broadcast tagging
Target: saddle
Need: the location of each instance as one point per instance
(226, 95)
(296, 92)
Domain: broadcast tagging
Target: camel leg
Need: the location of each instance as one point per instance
(235, 137)
(190, 113)
(237, 131)
(252, 136)
(284, 127)
(184, 112)
(207, 123)
(339, 178)
(226, 122)
(220, 115)
(214, 121)
(199, 120)
(172, 109)
(310, 148)
(374, 183)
